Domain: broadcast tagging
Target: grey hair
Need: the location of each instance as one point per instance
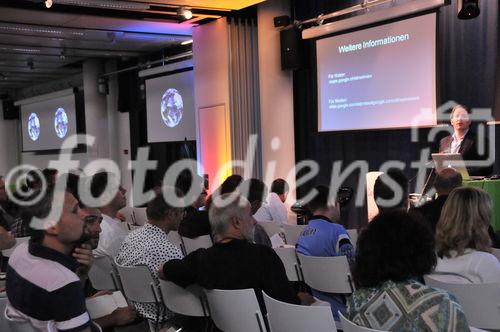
(223, 209)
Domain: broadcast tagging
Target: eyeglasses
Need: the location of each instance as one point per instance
(90, 219)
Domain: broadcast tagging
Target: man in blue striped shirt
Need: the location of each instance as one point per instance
(42, 286)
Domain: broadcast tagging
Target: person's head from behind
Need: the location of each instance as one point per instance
(166, 212)
(391, 191)
(395, 246)
(231, 218)
(103, 185)
(322, 205)
(464, 222)
(230, 184)
(459, 118)
(280, 187)
(255, 191)
(446, 180)
(63, 233)
(186, 182)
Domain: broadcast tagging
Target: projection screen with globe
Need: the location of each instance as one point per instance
(170, 108)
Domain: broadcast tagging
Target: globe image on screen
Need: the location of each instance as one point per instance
(33, 126)
(171, 107)
(61, 122)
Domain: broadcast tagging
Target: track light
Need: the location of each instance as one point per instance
(31, 64)
(468, 9)
(48, 3)
(185, 12)
(187, 42)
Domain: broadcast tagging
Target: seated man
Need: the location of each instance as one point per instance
(385, 191)
(275, 209)
(323, 237)
(42, 286)
(112, 231)
(233, 262)
(255, 191)
(148, 245)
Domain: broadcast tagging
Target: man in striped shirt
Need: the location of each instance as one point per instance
(42, 286)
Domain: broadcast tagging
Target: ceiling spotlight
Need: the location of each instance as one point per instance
(185, 12)
(468, 9)
(48, 3)
(187, 42)
(31, 64)
(62, 55)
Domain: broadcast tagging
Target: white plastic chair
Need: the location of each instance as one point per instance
(327, 274)
(139, 215)
(480, 302)
(235, 310)
(128, 213)
(185, 301)
(174, 238)
(8, 324)
(190, 245)
(138, 286)
(348, 326)
(101, 274)
(289, 258)
(271, 227)
(19, 240)
(285, 317)
(292, 233)
(496, 253)
(353, 235)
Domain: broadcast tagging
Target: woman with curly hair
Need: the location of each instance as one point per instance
(462, 241)
(393, 254)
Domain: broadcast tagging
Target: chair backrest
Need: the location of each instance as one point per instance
(480, 302)
(190, 245)
(174, 238)
(101, 274)
(7, 324)
(353, 235)
(285, 317)
(496, 253)
(235, 310)
(348, 326)
(271, 227)
(289, 258)
(327, 274)
(127, 211)
(292, 233)
(138, 284)
(185, 301)
(139, 215)
(19, 240)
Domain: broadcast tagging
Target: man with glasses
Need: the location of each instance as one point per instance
(148, 245)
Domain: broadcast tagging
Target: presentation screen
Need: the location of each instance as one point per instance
(47, 123)
(376, 78)
(170, 108)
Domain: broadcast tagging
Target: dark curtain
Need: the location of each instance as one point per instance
(466, 73)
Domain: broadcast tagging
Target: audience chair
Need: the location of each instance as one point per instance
(327, 274)
(496, 253)
(289, 258)
(128, 213)
(348, 326)
(271, 227)
(101, 274)
(480, 302)
(174, 238)
(235, 310)
(19, 240)
(292, 233)
(285, 317)
(190, 245)
(188, 301)
(8, 324)
(140, 216)
(138, 286)
(353, 235)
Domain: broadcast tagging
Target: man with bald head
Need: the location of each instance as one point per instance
(446, 180)
(233, 262)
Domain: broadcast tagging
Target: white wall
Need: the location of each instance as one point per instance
(276, 95)
(9, 138)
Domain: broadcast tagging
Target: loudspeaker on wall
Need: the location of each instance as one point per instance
(10, 111)
(291, 50)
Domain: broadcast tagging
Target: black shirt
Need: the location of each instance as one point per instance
(237, 264)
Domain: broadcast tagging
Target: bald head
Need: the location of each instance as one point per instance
(447, 180)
